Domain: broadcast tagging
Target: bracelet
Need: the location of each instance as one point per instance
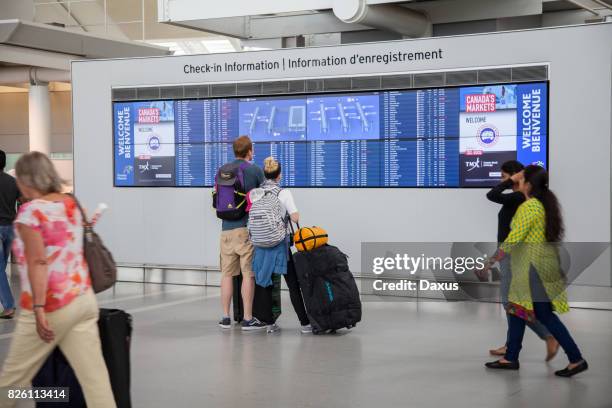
(38, 306)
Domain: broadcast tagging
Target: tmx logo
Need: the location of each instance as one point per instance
(472, 165)
(144, 167)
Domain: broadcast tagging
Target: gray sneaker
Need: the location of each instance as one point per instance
(306, 329)
(273, 328)
(253, 324)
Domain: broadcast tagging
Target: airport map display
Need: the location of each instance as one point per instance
(434, 137)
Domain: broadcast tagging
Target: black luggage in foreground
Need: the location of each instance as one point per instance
(56, 372)
(115, 328)
(329, 289)
(116, 336)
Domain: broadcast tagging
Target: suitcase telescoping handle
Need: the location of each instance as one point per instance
(291, 226)
(292, 231)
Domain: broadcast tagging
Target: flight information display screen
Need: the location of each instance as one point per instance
(435, 137)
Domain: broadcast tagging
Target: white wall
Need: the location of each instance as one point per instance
(178, 226)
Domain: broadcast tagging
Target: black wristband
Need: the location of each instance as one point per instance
(38, 306)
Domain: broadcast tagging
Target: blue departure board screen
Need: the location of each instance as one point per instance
(435, 137)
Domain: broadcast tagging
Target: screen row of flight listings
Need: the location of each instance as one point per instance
(352, 163)
(355, 116)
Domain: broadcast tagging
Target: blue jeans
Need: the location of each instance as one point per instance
(6, 236)
(545, 315)
(506, 277)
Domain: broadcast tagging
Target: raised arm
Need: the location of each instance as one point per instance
(497, 195)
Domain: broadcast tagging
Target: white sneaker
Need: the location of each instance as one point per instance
(273, 328)
(306, 329)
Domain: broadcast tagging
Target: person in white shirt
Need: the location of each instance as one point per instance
(273, 174)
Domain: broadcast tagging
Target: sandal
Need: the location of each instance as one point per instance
(7, 316)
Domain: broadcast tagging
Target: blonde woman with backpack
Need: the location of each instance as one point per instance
(271, 209)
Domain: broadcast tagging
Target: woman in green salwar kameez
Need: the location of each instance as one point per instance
(537, 288)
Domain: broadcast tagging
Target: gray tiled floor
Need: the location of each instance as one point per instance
(401, 355)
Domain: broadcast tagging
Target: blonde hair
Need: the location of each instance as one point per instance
(272, 168)
(35, 170)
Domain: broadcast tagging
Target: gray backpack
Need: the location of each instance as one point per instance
(267, 223)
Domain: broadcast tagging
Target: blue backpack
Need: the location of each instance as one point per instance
(229, 195)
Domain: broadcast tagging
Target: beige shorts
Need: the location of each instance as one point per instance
(236, 253)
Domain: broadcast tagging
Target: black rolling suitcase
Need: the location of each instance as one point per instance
(237, 299)
(116, 336)
(330, 293)
(115, 327)
(266, 301)
(56, 372)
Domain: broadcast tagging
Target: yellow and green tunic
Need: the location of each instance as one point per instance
(527, 244)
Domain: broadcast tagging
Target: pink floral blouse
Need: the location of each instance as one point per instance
(61, 226)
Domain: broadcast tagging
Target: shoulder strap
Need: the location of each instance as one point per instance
(86, 223)
(271, 188)
(274, 188)
(241, 175)
(271, 191)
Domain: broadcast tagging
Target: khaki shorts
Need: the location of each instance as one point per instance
(236, 253)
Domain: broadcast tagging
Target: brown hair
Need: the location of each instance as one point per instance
(242, 146)
(272, 168)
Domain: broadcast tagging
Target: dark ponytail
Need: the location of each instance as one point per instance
(538, 178)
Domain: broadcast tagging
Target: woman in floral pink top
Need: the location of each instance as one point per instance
(59, 307)
(60, 225)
